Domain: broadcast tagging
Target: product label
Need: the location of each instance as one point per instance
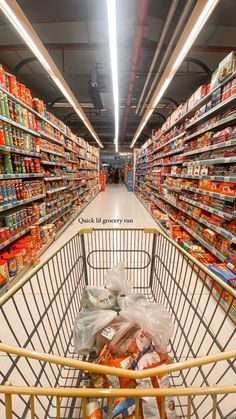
(108, 332)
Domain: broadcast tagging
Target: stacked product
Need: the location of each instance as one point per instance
(61, 168)
(121, 329)
(195, 154)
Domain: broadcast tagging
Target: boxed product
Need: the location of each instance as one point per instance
(227, 66)
(196, 170)
(210, 236)
(223, 272)
(215, 79)
(228, 188)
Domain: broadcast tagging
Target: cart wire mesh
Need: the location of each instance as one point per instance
(38, 314)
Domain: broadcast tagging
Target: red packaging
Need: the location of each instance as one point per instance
(12, 85)
(2, 77)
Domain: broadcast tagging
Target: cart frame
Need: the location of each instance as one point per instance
(47, 299)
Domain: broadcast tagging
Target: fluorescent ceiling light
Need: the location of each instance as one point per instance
(15, 15)
(111, 15)
(207, 8)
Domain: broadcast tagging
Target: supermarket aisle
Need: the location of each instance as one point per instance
(115, 208)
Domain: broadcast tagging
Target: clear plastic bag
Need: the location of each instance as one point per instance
(98, 298)
(153, 318)
(116, 280)
(86, 325)
(126, 300)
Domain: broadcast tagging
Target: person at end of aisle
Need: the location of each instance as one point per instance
(116, 176)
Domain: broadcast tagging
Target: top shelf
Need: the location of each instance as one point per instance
(39, 115)
(197, 106)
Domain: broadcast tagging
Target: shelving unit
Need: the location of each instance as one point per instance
(54, 153)
(196, 192)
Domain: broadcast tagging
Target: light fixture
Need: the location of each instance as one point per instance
(199, 17)
(18, 19)
(111, 17)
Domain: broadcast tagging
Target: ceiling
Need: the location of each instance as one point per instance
(76, 35)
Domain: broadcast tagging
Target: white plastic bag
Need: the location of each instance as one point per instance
(153, 318)
(126, 300)
(98, 298)
(116, 280)
(86, 325)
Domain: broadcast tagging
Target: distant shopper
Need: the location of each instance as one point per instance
(116, 176)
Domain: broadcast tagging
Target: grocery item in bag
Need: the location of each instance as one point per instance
(86, 326)
(154, 319)
(126, 300)
(116, 280)
(98, 298)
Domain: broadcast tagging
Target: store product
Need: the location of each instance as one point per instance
(122, 342)
(36, 145)
(195, 156)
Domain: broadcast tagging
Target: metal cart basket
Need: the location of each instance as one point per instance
(43, 377)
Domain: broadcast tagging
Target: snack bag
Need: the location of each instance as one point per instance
(122, 382)
(93, 411)
(122, 408)
(149, 404)
(169, 401)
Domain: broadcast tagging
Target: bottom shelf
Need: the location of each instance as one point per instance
(43, 249)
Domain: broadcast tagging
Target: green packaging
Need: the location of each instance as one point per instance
(7, 164)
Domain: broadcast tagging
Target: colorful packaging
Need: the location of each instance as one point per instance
(93, 411)
(4, 274)
(122, 408)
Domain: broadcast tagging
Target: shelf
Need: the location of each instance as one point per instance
(223, 121)
(73, 161)
(211, 161)
(171, 188)
(166, 143)
(53, 163)
(230, 101)
(50, 191)
(42, 220)
(40, 116)
(216, 178)
(222, 214)
(203, 242)
(209, 193)
(170, 153)
(48, 137)
(19, 126)
(150, 212)
(15, 237)
(225, 233)
(211, 147)
(62, 215)
(21, 202)
(54, 201)
(50, 179)
(21, 175)
(53, 152)
(222, 231)
(172, 163)
(19, 151)
(198, 105)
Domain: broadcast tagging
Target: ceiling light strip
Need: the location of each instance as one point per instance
(199, 17)
(15, 15)
(111, 16)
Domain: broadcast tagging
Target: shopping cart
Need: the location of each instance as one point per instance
(43, 377)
